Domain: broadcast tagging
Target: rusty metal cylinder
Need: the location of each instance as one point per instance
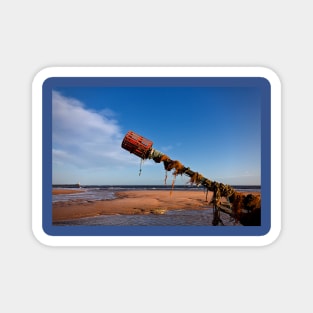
(137, 144)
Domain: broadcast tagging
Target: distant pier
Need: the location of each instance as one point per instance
(67, 186)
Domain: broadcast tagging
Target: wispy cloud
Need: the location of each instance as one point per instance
(85, 138)
(166, 148)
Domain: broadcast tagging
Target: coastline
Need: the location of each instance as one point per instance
(130, 202)
(58, 191)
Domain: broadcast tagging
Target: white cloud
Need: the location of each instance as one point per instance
(85, 138)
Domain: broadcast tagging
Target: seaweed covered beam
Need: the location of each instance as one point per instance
(143, 148)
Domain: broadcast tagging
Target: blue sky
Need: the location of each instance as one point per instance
(215, 131)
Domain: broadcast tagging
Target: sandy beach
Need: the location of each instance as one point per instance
(130, 203)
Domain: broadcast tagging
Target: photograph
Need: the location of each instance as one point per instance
(156, 155)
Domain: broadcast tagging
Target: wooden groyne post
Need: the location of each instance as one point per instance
(238, 204)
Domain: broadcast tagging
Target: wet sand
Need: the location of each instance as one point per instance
(56, 191)
(131, 202)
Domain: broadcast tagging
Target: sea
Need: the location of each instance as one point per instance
(185, 217)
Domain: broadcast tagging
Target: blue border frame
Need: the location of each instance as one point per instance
(258, 82)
